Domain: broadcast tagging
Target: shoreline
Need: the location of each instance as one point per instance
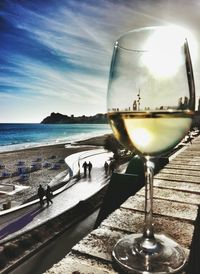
(91, 141)
(50, 162)
(73, 140)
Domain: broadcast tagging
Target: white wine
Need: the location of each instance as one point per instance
(150, 133)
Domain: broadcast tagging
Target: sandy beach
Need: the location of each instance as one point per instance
(48, 159)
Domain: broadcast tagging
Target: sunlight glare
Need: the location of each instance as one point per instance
(164, 57)
(141, 137)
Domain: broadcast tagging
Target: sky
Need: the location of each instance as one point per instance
(55, 55)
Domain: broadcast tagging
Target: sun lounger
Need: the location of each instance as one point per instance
(2, 165)
(56, 166)
(24, 177)
(36, 166)
(46, 165)
(21, 170)
(39, 159)
(5, 174)
(20, 163)
(61, 161)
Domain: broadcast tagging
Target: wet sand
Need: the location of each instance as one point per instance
(53, 154)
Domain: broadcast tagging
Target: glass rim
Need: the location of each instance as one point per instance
(117, 43)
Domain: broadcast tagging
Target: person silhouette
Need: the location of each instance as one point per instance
(49, 194)
(41, 194)
(106, 167)
(89, 167)
(85, 168)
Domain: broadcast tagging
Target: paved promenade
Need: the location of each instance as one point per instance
(176, 201)
(26, 218)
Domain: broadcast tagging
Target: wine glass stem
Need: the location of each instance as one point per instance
(148, 233)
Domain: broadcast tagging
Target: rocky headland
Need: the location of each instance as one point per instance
(58, 118)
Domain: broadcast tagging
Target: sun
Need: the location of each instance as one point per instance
(141, 137)
(164, 54)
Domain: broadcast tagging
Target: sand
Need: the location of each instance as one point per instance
(53, 154)
(97, 141)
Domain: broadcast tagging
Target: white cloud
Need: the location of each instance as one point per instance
(83, 37)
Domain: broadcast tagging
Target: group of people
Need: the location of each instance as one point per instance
(42, 193)
(87, 167)
(109, 168)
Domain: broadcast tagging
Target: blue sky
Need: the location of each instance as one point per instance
(55, 55)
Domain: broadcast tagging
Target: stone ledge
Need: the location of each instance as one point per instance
(180, 167)
(183, 186)
(74, 263)
(178, 177)
(173, 195)
(165, 208)
(99, 243)
(176, 171)
(187, 162)
(128, 221)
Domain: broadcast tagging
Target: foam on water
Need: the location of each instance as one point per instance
(23, 136)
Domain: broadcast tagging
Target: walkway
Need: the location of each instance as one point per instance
(27, 218)
(176, 202)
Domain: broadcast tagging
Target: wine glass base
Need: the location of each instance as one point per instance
(164, 256)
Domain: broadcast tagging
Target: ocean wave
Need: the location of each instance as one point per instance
(14, 146)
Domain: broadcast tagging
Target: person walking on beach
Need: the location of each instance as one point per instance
(89, 167)
(49, 194)
(41, 194)
(85, 168)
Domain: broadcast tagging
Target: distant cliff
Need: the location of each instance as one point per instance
(58, 118)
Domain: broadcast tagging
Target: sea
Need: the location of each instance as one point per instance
(22, 136)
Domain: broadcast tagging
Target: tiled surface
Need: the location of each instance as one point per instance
(131, 222)
(174, 195)
(73, 264)
(178, 177)
(163, 207)
(183, 186)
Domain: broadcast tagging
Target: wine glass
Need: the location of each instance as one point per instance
(151, 102)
